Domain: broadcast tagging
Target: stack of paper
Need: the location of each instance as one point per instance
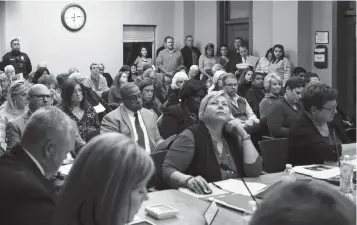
(237, 186)
(215, 192)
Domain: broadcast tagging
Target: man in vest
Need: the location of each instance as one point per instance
(240, 108)
(19, 60)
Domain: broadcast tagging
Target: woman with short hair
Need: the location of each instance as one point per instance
(286, 111)
(107, 183)
(175, 88)
(75, 105)
(211, 150)
(50, 81)
(313, 139)
(207, 61)
(217, 84)
(15, 106)
(114, 97)
(273, 87)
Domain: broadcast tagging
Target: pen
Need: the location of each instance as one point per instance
(216, 186)
(228, 206)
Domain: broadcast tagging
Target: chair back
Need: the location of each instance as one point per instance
(351, 133)
(275, 154)
(157, 181)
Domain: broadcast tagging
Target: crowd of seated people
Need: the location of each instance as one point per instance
(214, 109)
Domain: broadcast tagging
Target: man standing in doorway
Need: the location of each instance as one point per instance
(190, 53)
(19, 60)
(235, 56)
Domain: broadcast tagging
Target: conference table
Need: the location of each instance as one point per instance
(191, 209)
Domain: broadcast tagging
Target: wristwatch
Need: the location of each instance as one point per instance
(247, 137)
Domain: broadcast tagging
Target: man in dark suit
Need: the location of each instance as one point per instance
(235, 56)
(25, 171)
(131, 119)
(39, 96)
(190, 53)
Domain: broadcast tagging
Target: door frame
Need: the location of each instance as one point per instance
(223, 15)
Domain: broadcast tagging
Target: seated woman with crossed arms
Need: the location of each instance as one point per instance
(211, 151)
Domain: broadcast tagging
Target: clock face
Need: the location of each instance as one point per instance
(73, 17)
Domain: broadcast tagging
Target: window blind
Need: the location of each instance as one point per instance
(138, 33)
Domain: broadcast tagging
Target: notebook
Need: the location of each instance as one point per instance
(238, 187)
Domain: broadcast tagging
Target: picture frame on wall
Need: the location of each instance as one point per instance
(321, 37)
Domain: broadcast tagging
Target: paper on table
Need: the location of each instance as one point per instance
(237, 186)
(215, 191)
(65, 169)
(99, 108)
(318, 171)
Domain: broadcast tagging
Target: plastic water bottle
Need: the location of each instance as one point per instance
(346, 176)
(289, 175)
(247, 216)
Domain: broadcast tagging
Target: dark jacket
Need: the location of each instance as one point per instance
(307, 146)
(281, 116)
(19, 60)
(109, 79)
(173, 97)
(175, 119)
(26, 195)
(235, 58)
(187, 55)
(254, 96)
(243, 88)
(204, 162)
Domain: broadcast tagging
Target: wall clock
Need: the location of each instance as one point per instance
(73, 17)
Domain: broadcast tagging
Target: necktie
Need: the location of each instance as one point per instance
(139, 131)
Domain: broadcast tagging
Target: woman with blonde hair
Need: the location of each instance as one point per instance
(107, 183)
(217, 81)
(273, 87)
(114, 98)
(207, 61)
(16, 105)
(213, 150)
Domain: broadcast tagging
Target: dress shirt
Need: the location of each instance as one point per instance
(35, 161)
(142, 124)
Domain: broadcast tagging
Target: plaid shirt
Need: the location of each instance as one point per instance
(99, 86)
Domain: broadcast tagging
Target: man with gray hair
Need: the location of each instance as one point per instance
(26, 194)
(193, 72)
(39, 96)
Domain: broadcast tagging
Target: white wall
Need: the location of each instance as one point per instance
(43, 37)
(205, 24)
(2, 26)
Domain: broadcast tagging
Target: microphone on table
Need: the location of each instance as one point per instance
(225, 167)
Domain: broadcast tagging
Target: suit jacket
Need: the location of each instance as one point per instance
(118, 121)
(26, 195)
(15, 129)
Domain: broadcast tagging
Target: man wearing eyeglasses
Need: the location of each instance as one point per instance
(131, 119)
(19, 60)
(39, 96)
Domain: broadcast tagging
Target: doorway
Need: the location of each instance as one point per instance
(346, 56)
(235, 30)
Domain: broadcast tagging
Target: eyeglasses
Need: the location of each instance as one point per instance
(231, 85)
(134, 98)
(334, 108)
(41, 97)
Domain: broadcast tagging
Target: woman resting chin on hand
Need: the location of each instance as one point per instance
(211, 151)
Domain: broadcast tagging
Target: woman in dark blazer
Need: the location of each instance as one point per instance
(211, 150)
(314, 139)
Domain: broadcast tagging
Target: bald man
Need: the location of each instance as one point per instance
(39, 96)
(131, 119)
